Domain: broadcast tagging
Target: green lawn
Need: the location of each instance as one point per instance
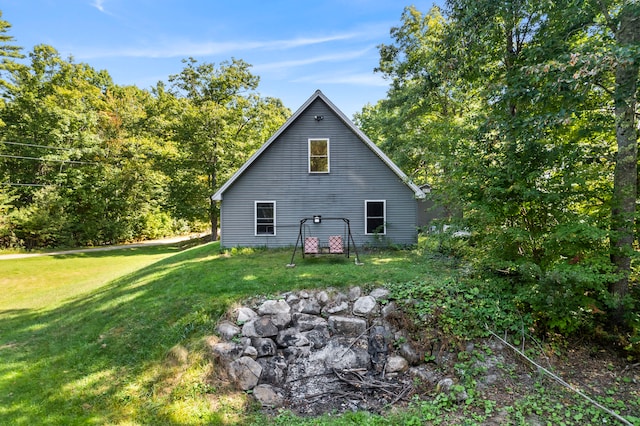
(45, 282)
(119, 337)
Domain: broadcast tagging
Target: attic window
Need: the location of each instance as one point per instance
(318, 155)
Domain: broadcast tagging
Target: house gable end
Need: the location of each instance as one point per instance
(306, 110)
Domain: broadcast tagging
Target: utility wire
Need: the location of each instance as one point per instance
(37, 146)
(559, 379)
(21, 157)
(155, 156)
(23, 184)
(112, 157)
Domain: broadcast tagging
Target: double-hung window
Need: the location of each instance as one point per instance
(265, 218)
(318, 155)
(375, 212)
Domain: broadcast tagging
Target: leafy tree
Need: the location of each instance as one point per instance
(7, 238)
(600, 62)
(50, 119)
(222, 121)
(429, 110)
(8, 54)
(529, 89)
(92, 163)
(80, 146)
(625, 29)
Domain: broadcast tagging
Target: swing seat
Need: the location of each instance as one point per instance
(311, 245)
(335, 244)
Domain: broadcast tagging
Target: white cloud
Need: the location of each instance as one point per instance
(360, 79)
(99, 4)
(335, 57)
(189, 48)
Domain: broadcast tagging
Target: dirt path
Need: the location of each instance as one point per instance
(104, 248)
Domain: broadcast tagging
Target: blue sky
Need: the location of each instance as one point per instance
(295, 47)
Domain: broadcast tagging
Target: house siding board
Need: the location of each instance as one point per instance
(281, 175)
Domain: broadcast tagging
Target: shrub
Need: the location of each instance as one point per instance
(156, 224)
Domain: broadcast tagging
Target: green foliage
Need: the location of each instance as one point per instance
(41, 223)
(220, 122)
(568, 296)
(506, 109)
(7, 236)
(93, 163)
(9, 53)
(460, 308)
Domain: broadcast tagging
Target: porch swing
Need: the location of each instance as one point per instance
(311, 245)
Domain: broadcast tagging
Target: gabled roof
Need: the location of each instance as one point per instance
(319, 95)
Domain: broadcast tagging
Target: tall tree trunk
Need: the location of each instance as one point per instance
(213, 215)
(625, 182)
(213, 211)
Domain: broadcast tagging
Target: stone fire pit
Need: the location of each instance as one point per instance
(316, 351)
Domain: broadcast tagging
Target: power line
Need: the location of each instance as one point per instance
(37, 146)
(23, 184)
(111, 157)
(21, 157)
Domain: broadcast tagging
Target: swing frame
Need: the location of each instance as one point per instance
(317, 219)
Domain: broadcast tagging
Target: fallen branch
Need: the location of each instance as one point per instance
(559, 379)
(358, 381)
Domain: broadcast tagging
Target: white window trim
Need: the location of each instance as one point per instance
(255, 218)
(328, 155)
(384, 217)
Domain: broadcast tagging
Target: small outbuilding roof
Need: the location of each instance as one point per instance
(319, 95)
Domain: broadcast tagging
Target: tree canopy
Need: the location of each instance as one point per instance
(521, 114)
(523, 117)
(84, 161)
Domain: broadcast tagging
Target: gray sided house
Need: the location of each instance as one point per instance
(318, 164)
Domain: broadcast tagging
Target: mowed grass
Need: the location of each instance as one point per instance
(44, 282)
(76, 348)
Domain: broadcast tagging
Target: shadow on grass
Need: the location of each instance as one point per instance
(95, 359)
(69, 364)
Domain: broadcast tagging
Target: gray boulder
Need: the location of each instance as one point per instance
(354, 293)
(347, 326)
(260, 327)
(245, 314)
(281, 321)
(273, 370)
(227, 351)
(227, 330)
(274, 307)
(364, 306)
(396, 364)
(411, 353)
(318, 337)
(378, 347)
(291, 337)
(245, 372)
(335, 308)
(306, 322)
(269, 396)
(380, 293)
(264, 346)
(308, 306)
